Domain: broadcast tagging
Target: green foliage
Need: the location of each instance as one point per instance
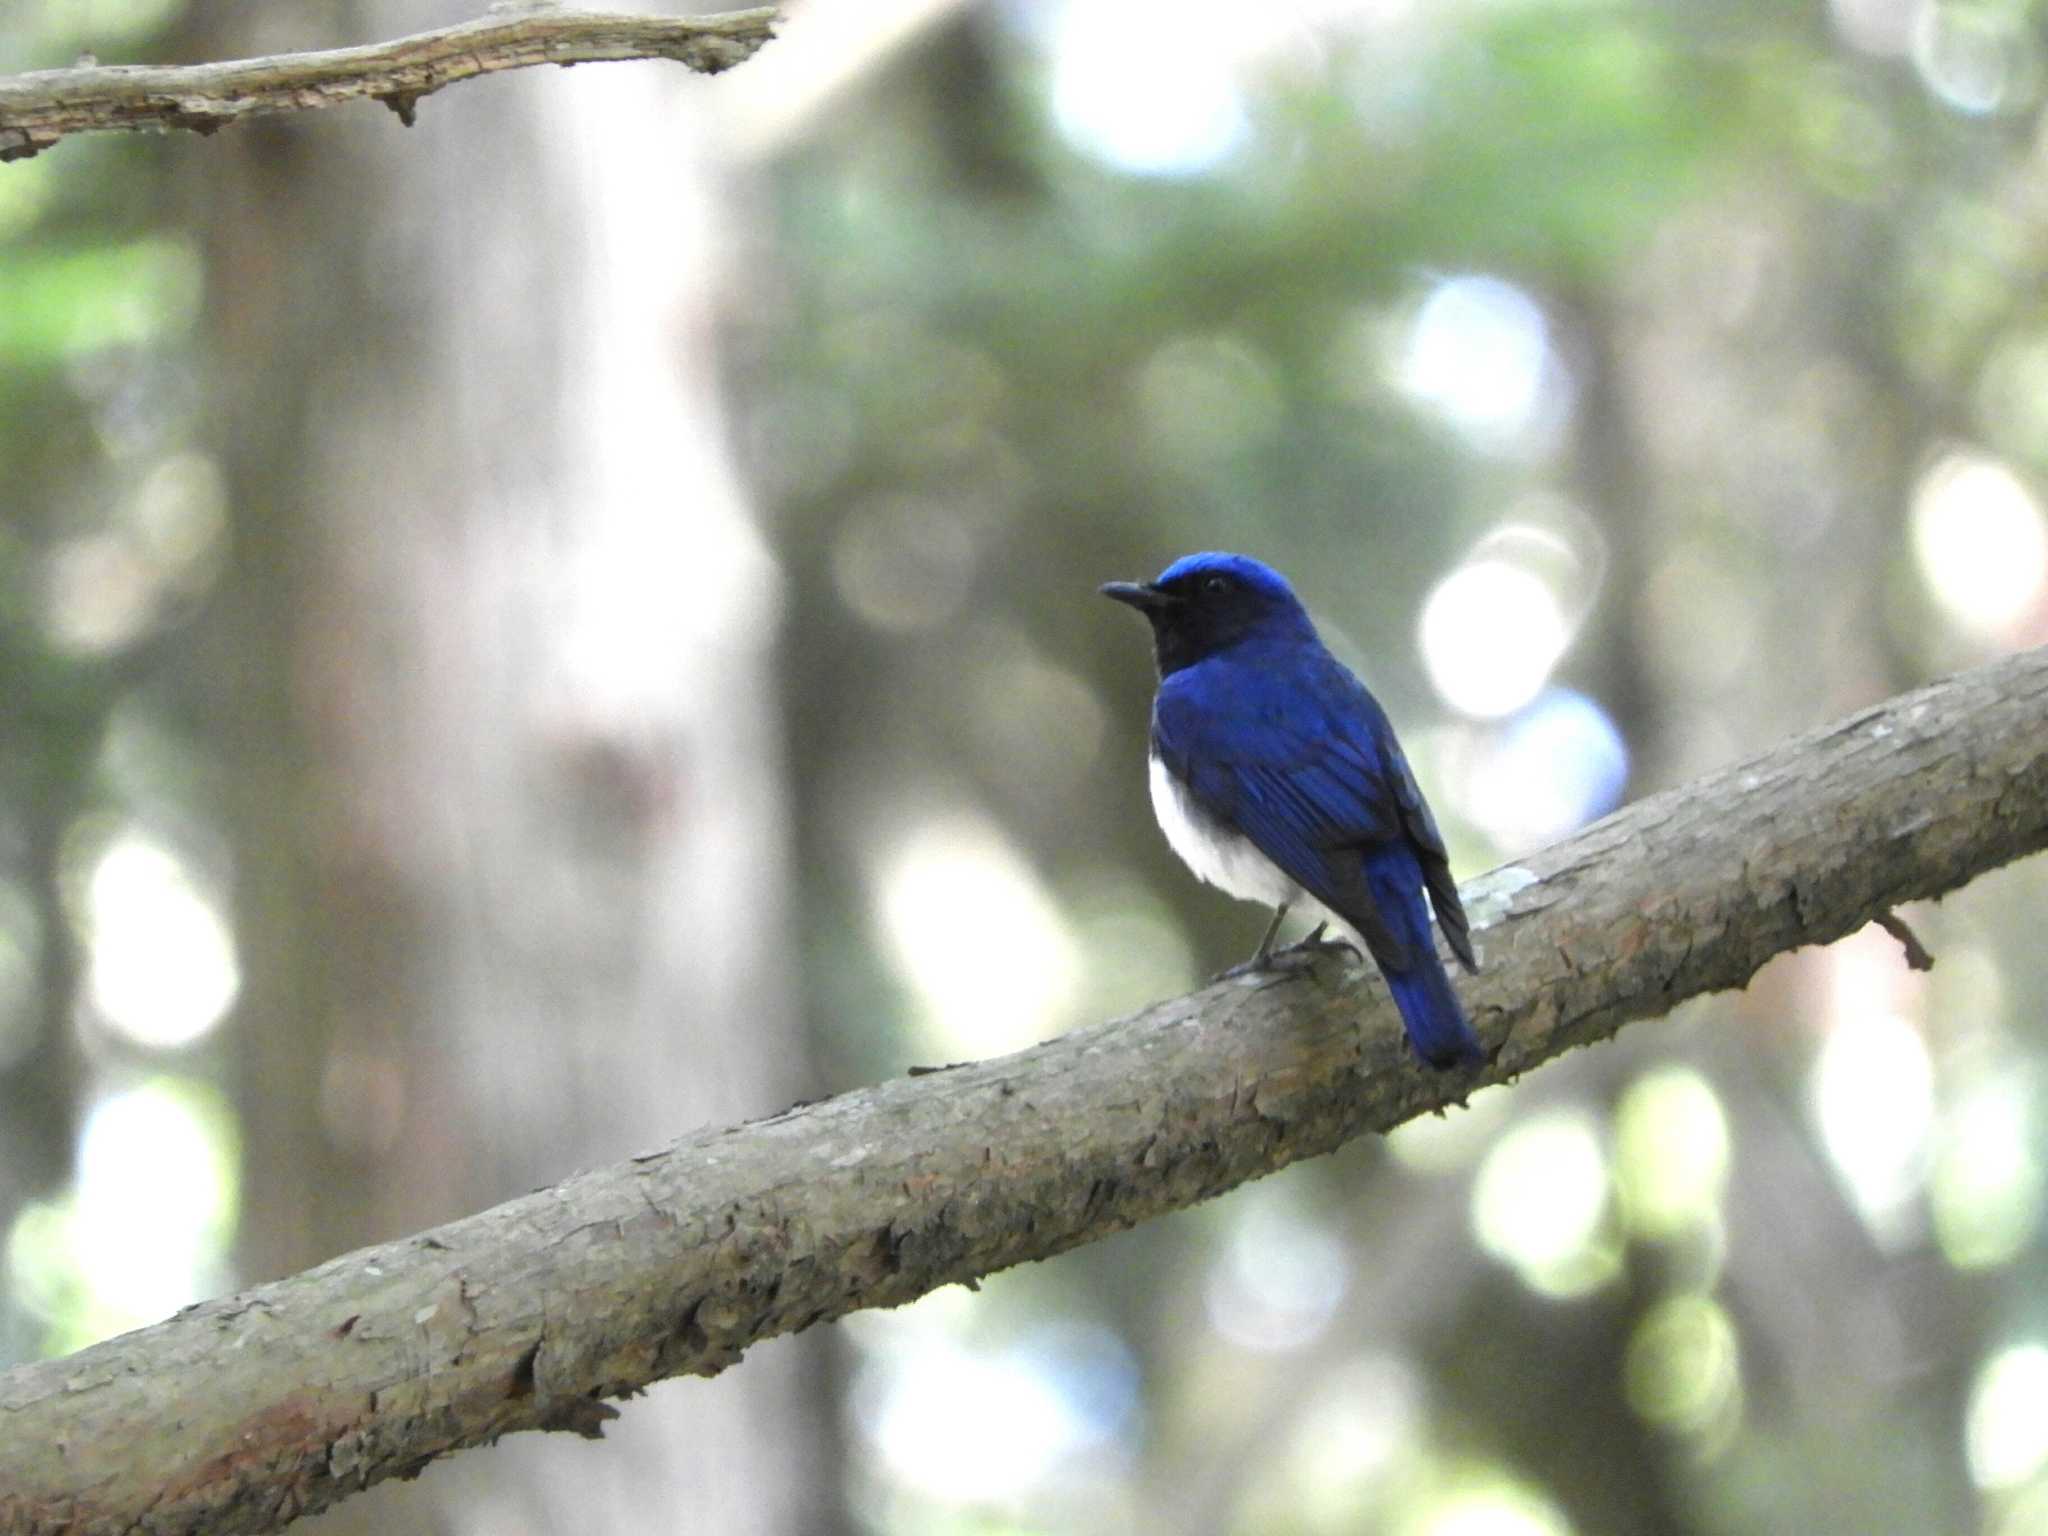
(77, 302)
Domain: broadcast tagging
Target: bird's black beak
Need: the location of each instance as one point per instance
(1141, 595)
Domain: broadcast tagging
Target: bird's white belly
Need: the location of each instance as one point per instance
(1227, 860)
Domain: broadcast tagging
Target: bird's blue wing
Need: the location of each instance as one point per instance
(1418, 828)
(1288, 749)
(1295, 756)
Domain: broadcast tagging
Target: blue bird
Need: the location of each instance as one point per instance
(1276, 777)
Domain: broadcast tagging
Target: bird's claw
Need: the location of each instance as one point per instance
(1258, 965)
(1314, 944)
(1293, 959)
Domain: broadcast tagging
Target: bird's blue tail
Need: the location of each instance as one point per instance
(1435, 1019)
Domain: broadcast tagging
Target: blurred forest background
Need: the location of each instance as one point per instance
(529, 634)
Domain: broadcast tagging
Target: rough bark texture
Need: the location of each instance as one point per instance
(38, 109)
(239, 1414)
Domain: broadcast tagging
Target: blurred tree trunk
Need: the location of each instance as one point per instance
(41, 777)
(495, 673)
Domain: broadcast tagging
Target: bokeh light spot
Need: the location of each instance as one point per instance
(179, 516)
(1491, 632)
(1355, 1429)
(1873, 1094)
(1539, 1201)
(977, 937)
(1977, 58)
(1981, 542)
(1017, 1430)
(156, 1198)
(99, 594)
(1486, 1502)
(903, 564)
(1479, 352)
(966, 1425)
(1876, 26)
(42, 1268)
(1671, 1152)
(1148, 86)
(1279, 1279)
(2006, 1432)
(1552, 768)
(1682, 1370)
(1986, 1185)
(2024, 1512)
(163, 968)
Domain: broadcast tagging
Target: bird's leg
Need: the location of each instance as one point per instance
(1295, 956)
(1262, 957)
(1316, 944)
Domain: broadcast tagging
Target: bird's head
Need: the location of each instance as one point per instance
(1202, 604)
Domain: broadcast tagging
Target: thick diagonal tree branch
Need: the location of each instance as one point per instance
(38, 109)
(241, 1414)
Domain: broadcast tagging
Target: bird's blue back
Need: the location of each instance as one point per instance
(1275, 738)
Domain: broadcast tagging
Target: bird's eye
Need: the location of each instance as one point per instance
(1216, 586)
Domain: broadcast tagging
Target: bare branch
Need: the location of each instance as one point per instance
(38, 109)
(241, 1414)
(1916, 953)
